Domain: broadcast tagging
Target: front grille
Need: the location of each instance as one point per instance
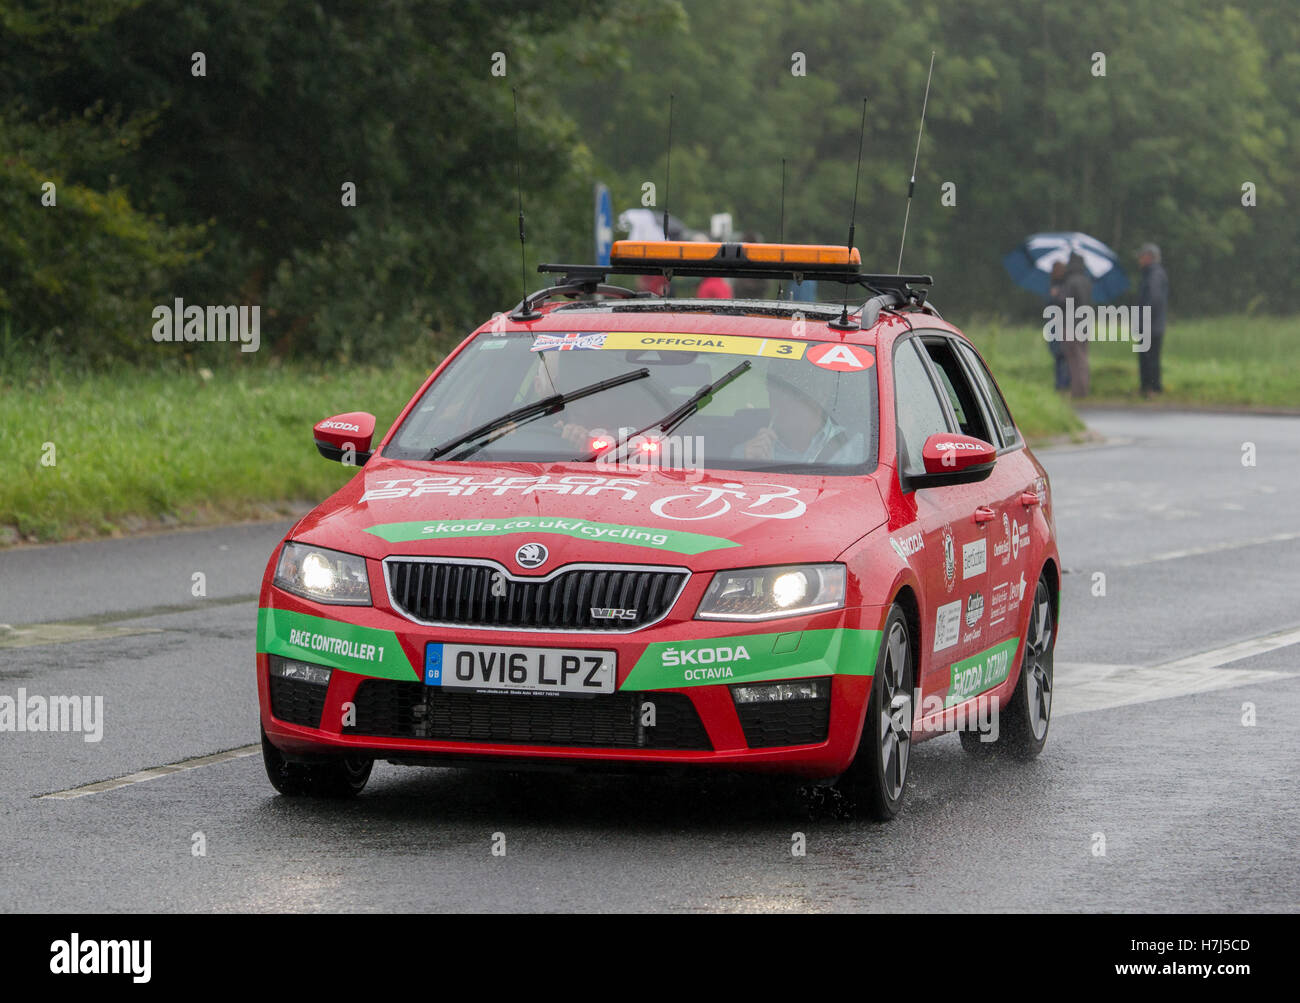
(462, 593)
(296, 701)
(785, 722)
(389, 709)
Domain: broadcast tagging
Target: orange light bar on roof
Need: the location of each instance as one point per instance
(801, 254)
(792, 255)
(663, 250)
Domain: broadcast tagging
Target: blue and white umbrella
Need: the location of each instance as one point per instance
(1031, 263)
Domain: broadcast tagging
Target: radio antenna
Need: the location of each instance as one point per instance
(528, 312)
(911, 185)
(780, 230)
(843, 322)
(781, 227)
(668, 183)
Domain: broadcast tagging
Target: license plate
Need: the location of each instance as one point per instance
(528, 670)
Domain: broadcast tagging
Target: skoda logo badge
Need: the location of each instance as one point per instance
(531, 555)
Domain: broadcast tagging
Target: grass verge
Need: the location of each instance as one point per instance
(137, 449)
(1230, 362)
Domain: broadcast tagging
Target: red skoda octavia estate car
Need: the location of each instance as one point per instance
(644, 531)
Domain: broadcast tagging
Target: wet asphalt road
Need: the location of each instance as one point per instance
(1196, 809)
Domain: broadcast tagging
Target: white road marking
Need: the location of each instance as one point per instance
(1238, 651)
(1082, 686)
(62, 633)
(1214, 548)
(153, 773)
(1096, 687)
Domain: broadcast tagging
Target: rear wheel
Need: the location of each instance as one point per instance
(1023, 722)
(335, 778)
(878, 776)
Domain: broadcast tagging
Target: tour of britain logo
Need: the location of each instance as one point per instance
(949, 559)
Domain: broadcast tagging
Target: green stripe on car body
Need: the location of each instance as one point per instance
(973, 676)
(754, 658)
(654, 538)
(364, 650)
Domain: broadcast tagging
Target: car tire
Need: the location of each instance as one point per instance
(877, 779)
(1023, 723)
(343, 777)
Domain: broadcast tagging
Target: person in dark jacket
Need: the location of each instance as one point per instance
(1056, 298)
(1076, 285)
(1153, 291)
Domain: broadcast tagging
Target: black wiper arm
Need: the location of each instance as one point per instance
(537, 409)
(674, 418)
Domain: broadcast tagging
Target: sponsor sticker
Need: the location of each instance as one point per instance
(364, 650)
(972, 676)
(974, 558)
(671, 540)
(728, 344)
(755, 658)
(974, 608)
(949, 559)
(998, 604)
(908, 545)
(947, 625)
(1002, 549)
(567, 342)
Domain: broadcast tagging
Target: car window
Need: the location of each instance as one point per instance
(963, 397)
(1001, 413)
(920, 415)
(801, 406)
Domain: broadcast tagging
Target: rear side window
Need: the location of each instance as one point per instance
(1001, 413)
(965, 399)
(919, 413)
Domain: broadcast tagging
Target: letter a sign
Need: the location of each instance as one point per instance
(841, 358)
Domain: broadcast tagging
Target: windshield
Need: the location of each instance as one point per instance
(800, 406)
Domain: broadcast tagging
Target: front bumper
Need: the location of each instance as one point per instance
(376, 702)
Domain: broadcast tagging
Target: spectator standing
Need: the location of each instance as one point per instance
(1153, 291)
(1056, 298)
(1076, 286)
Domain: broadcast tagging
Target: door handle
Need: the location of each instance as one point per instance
(984, 514)
(1028, 498)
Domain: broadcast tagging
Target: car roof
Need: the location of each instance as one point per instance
(755, 318)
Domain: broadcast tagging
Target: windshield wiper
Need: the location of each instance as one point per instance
(675, 417)
(531, 412)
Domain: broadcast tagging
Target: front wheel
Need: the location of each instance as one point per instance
(878, 775)
(1022, 728)
(335, 778)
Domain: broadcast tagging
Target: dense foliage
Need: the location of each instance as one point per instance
(227, 187)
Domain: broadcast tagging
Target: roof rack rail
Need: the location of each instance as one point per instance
(525, 308)
(874, 282)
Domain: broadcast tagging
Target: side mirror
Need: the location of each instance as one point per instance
(954, 459)
(345, 438)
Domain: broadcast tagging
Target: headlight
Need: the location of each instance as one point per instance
(768, 593)
(327, 576)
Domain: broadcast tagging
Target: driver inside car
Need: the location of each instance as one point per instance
(545, 378)
(799, 429)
